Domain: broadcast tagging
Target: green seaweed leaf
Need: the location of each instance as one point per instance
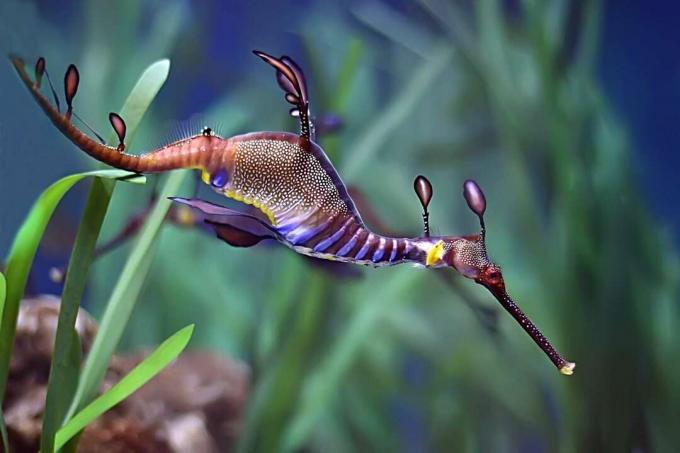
(64, 370)
(134, 108)
(22, 253)
(65, 366)
(143, 93)
(124, 296)
(3, 290)
(275, 397)
(140, 375)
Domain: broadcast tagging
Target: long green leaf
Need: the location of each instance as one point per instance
(140, 375)
(134, 108)
(63, 377)
(143, 93)
(124, 296)
(136, 105)
(3, 291)
(21, 257)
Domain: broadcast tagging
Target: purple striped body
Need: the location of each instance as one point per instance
(348, 240)
(293, 183)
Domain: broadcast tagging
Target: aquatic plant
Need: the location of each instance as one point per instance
(58, 425)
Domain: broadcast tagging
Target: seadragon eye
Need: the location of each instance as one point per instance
(219, 179)
(493, 275)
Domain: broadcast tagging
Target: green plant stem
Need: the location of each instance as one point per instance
(134, 108)
(124, 296)
(63, 376)
(21, 257)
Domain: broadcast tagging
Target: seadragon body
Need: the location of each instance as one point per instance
(291, 181)
(301, 200)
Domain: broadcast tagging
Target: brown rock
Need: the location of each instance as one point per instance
(195, 404)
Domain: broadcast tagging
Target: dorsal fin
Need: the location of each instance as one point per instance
(291, 79)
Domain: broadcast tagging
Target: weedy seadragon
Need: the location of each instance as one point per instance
(300, 198)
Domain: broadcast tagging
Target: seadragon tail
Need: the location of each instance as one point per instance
(187, 153)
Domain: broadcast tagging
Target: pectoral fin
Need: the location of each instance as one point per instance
(235, 236)
(236, 228)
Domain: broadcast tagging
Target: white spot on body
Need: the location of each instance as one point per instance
(284, 177)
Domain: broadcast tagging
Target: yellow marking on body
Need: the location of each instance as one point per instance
(205, 177)
(231, 193)
(435, 253)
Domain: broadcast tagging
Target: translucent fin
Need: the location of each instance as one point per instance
(234, 227)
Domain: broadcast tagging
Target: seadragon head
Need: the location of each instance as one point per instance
(468, 256)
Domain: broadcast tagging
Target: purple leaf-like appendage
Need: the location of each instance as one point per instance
(234, 227)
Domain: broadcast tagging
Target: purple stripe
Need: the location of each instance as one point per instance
(364, 250)
(303, 233)
(284, 229)
(323, 245)
(394, 250)
(347, 247)
(379, 252)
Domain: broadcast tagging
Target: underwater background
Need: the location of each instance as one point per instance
(566, 114)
